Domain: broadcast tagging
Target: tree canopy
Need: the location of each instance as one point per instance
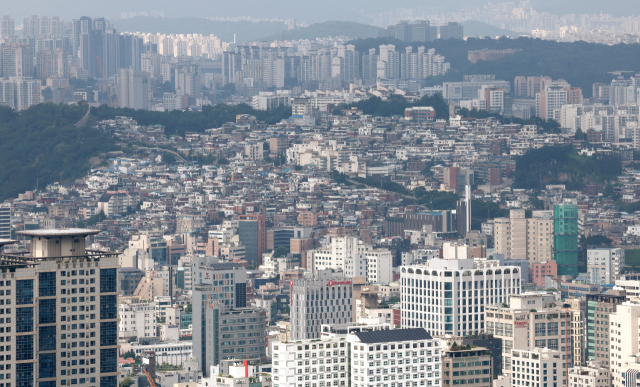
(41, 145)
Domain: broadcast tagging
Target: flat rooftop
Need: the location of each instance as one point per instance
(59, 232)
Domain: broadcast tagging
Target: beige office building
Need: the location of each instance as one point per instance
(531, 320)
(519, 238)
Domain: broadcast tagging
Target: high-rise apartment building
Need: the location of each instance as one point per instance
(58, 61)
(319, 299)
(624, 336)
(551, 99)
(520, 238)
(17, 61)
(253, 235)
(605, 265)
(565, 238)
(449, 296)
(7, 27)
(452, 30)
(599, 309)
(62, 326)
(133, 89)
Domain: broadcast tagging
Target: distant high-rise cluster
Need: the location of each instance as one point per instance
(422, 31)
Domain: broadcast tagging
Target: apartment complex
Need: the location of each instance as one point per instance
(520, 238)
(449, 296)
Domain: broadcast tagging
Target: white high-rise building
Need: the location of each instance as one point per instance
(519, 238)
(449, 296)
(7, 27)
(368, 353)
(538, 366)
(604, 265)
(623, 337)
(133, 89)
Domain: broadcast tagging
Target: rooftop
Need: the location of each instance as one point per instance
(59, 233)
(393, 335)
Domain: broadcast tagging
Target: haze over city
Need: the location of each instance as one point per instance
(320, 194)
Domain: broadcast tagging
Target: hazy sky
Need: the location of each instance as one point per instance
(303, 10)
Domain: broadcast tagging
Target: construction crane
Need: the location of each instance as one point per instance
(65, 88)
(105, 81)
(150, 379)
(44, 75)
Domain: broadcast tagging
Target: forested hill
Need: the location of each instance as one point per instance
(42, 145)
(579, 63)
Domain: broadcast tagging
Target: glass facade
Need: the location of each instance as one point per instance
(108, 361)
(109, 381)
(24, 375)
(47, 365)
(108, 333)
(47, 284)
(24, 319)
(24, 292)
(24, 347)
(108, 307)
(47, 311)
(108, 281)
(47, 338)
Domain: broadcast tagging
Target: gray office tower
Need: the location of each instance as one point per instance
(232, 334)
(60, 318)
(222, 284)
(319, 299)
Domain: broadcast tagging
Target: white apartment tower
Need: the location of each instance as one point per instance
(604, 265)
(519, 238)
(449, 296)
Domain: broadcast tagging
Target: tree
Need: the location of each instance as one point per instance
(95, 219)
(223, 161)
(126, 382)
(580, 135)
(168, 158)
(189, 308)
(393, 300)
(280, 252)
(419, 141)
(129, 354)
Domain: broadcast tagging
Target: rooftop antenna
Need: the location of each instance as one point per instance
(234, 38)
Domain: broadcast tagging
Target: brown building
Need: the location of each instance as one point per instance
(466, 365)
(278, 145)
(307, 219)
